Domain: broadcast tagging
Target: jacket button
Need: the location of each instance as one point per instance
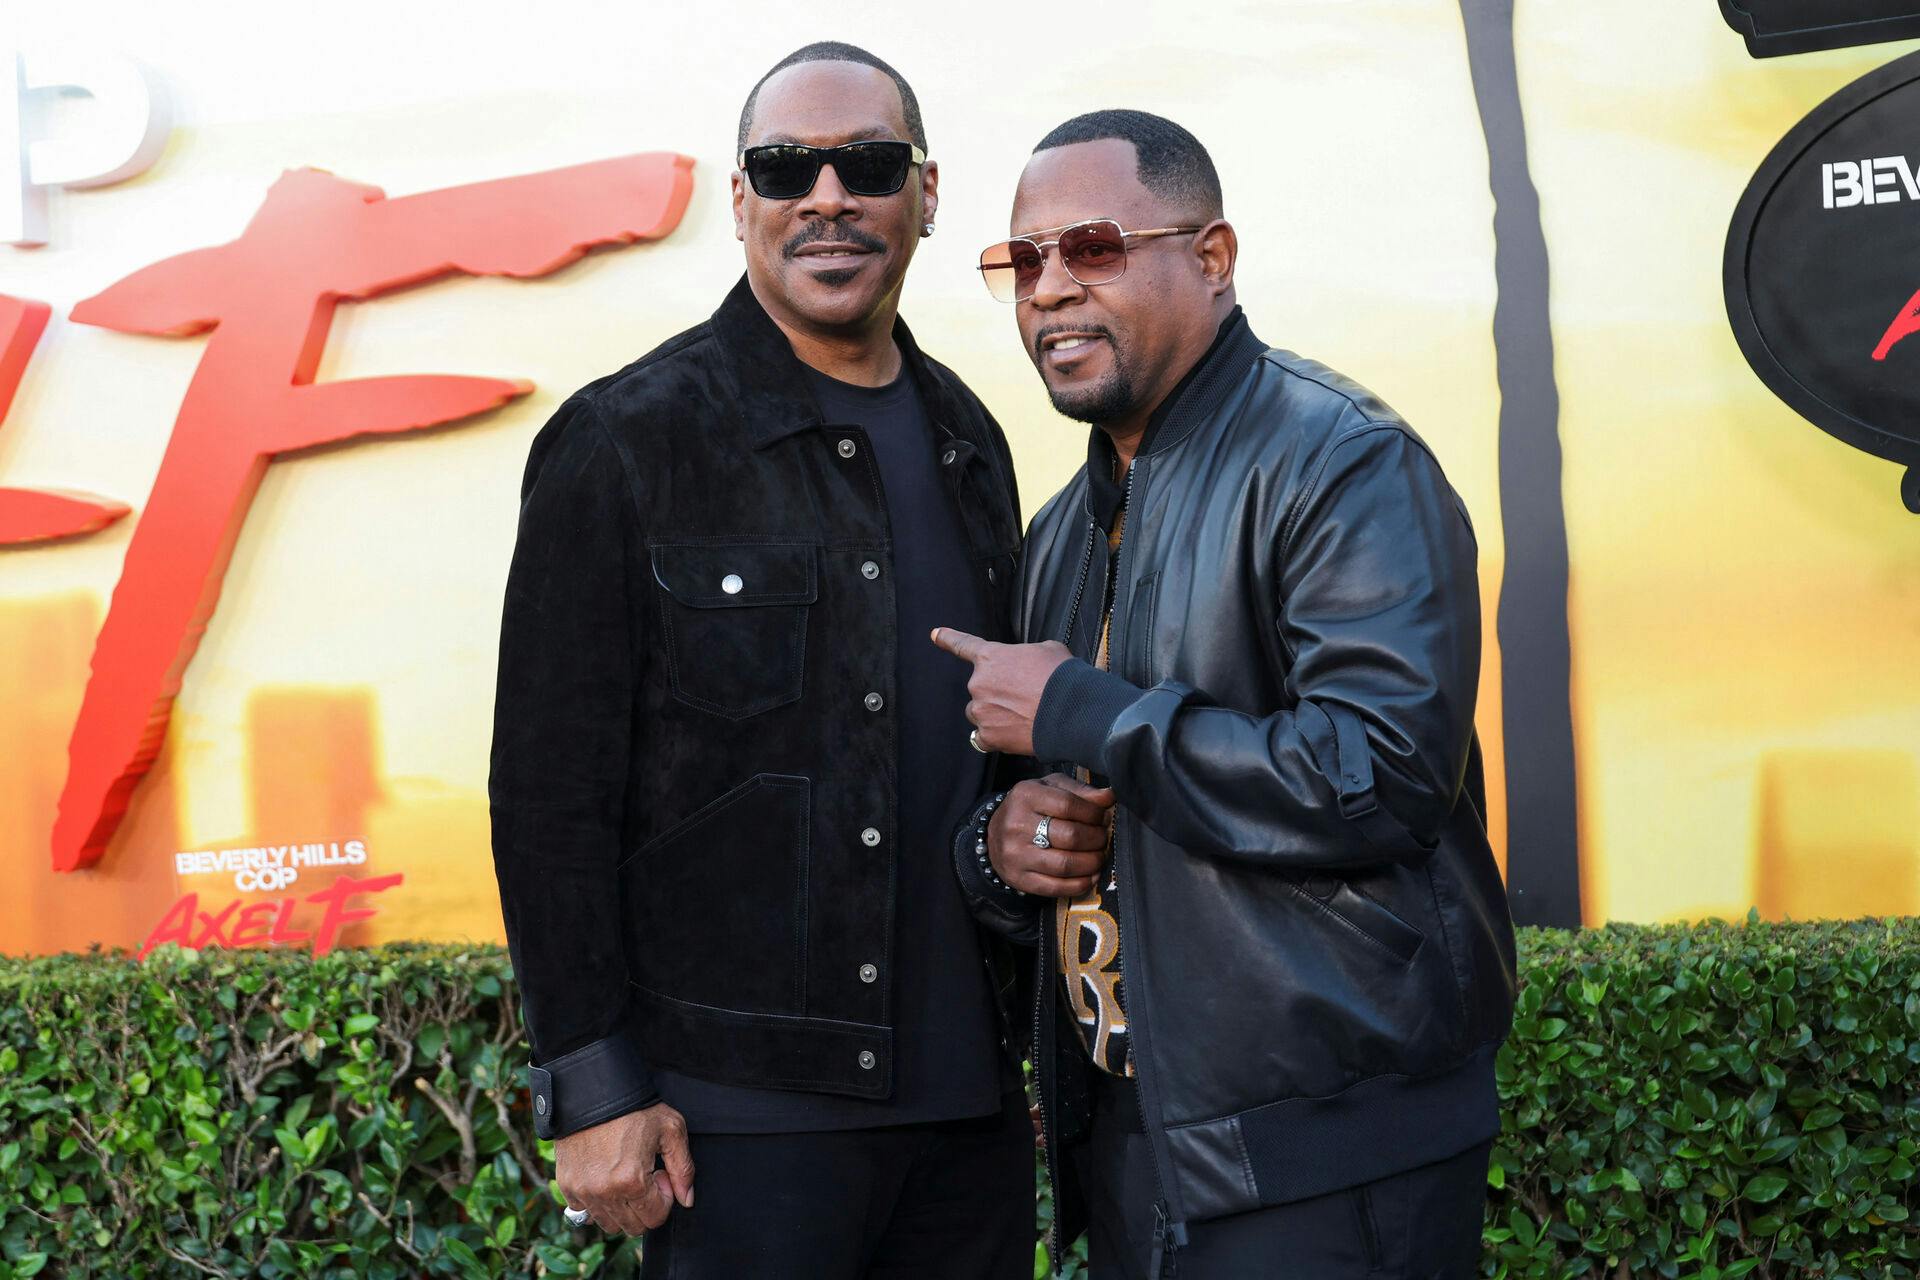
(1321, 886)
(948, 457)
(869, 570)
(993, 575)
(540, 1104)
(868, 973)
(870, 837)
(867, 1059)
(846, 448)
(875, 702)
(731, 584)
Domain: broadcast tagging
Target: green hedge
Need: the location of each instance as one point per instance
(1697, 1103)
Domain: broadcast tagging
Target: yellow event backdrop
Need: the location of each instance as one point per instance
(1744, 599)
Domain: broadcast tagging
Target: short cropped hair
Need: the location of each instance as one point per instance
(835, 51)
(1172, 163)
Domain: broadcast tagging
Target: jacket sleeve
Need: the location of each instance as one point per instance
(563, 720)
(1000, 908)
(1379, 613)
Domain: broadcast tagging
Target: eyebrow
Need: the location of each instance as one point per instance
(870, 133)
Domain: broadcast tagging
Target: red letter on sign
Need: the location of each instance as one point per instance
(1904, 325)
(271, 294)
(35, 515)
(251, 927)
(334, 916)
(176, 926)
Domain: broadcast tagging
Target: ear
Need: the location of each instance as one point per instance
(739, 206)
(929, 189)
(1218, 249)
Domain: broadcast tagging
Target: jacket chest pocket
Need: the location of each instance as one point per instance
(733, 616)
(1137, 658)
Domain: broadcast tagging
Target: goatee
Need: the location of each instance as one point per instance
(1107, 401)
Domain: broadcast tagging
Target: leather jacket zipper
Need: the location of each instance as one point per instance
(1080, 584)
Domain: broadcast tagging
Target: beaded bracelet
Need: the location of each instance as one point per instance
(981, 819)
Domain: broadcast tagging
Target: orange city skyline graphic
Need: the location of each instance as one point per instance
(313, 771)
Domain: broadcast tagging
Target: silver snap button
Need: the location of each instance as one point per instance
(731, 584)
(846, 448)
(868, 973)
(869, 570)
(540, 1104)
(875, 702)
(948, 457)
(867, 1059)
(993, 574)
(870, 837)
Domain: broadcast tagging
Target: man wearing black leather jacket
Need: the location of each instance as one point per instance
(1276, 960)
(727, 766)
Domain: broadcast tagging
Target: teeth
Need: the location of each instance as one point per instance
(1068, 344)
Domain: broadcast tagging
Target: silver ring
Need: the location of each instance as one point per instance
(1043, 832)
(974, 738)
(577, 1217)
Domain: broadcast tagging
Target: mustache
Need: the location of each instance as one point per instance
(1040, 338)
(833, 233)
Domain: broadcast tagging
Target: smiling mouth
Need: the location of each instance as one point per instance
(1062, 350)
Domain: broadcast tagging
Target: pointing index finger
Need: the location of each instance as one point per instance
(959, 643)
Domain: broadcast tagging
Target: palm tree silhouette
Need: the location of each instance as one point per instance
(1543, 854)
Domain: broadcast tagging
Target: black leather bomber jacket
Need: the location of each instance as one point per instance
(693, 808)
(1318, 958)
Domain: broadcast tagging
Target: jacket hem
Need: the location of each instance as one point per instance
(1303, 1147)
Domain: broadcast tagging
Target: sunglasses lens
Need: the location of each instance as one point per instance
(1096, 253)
(782, 173)
(1011, 269)
(873, 168)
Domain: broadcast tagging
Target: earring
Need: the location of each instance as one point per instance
(926, 231)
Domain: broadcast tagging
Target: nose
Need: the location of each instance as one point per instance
(1055, 287)
(829, 199)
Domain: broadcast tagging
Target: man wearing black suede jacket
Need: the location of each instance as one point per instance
(727, 765)
(1276, 958)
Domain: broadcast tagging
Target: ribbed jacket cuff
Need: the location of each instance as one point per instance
(1077, 711)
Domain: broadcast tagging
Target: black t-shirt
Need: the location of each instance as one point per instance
(946, 1064)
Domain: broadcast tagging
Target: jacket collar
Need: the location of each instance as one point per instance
(775, 397)
(1193, 400)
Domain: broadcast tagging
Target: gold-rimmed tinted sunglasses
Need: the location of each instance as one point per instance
(1093, 252)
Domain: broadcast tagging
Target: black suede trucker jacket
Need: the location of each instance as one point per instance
(1318, 961)
(693, 806)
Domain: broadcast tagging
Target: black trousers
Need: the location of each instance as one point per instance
(945, 1201)
(1423, 1224)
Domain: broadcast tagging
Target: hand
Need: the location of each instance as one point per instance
(608, 1169)
(1076, 831)
(1007, 682)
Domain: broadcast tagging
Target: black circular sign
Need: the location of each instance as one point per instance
(1822, 268)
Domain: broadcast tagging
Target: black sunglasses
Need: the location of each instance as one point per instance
(788, 170)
